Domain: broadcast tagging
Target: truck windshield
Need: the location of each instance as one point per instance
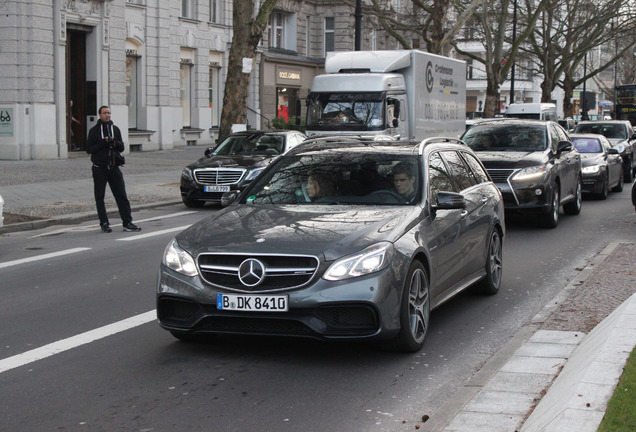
(345, 111)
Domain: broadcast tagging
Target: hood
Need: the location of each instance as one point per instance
(512, 160)
(236, 161)
(591, 159)
(330, 231)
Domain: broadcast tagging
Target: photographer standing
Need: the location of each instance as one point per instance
(104, 144)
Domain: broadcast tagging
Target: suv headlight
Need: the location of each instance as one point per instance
(179, 260)
(530, 173)
(369, 260)
(187, 174)
(591, 169)
(252, 174)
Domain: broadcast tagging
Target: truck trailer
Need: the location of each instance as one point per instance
(404, 94)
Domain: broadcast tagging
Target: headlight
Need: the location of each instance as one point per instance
(620, 147)
(179, 260)
(591, 169)
(530, 173)
(370, 260)
(252, 174)
(187, 174)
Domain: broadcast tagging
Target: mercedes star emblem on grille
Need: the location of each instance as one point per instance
(251, 272)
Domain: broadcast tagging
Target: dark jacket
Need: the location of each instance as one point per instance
(103, 140)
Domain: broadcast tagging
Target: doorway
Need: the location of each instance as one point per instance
(76, 88)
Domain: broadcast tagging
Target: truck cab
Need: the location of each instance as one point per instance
(377, 104)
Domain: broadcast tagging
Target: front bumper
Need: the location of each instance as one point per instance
(594, 183)
(358, 308)
(529, 198)
(193, 191)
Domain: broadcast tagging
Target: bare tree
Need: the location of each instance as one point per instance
(565, 33)
(436, 22)
(247, 33)
(492, 28)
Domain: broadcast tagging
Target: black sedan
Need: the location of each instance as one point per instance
(602, 164)
(339, 240)
(533, 163)
(233, 164)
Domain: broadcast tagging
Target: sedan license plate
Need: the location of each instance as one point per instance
(216, 188)
(252, 303)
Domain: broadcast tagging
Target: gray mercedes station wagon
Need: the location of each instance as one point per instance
(339, 239)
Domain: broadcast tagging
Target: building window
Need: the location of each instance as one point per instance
(329, 35)
(277, 30)
(186, 92)
(215, 12)
(469, 69)
(188, 9)
(137, 2)
(131, 90)
(214, 94)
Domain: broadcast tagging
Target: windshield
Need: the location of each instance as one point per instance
(250, 144)
(587, 145)
(516, 138)
(339, 178)
(612, 131)
(342, 111)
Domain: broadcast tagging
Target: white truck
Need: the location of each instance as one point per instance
(407, 94)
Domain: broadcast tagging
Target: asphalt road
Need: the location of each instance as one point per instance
(57, 374)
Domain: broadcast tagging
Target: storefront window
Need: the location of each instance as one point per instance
(214, 95)
(286, 103)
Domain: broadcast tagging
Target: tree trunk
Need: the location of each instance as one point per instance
(491, 105)
(237, 81)
(568, 92)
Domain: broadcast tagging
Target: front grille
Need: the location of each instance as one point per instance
(500, 175)
(219, 176)
(280, 271)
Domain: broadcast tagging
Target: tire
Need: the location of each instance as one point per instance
(619, 186)
(574, 207)
(551, 219)
(415, 311)
(190, 203)
(605, 192)
(494, 267)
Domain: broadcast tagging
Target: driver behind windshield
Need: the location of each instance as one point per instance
(404, 180)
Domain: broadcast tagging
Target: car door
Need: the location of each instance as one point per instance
(614, 162)
(443, 233)
(475, 223)
(568, 162)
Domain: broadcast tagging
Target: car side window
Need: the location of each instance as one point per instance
(554, 137)
(462, 177)
(476, 168)
(439, 179)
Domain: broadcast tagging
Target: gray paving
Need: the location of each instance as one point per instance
(544, 379)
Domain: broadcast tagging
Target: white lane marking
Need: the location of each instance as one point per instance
(42, 257)
(96, 227)
(75, 341)
(153, 234)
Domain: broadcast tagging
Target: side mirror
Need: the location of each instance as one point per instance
(564, 146)
(208, 152)
(449, 201)
(613, 151)
(633, 136)
(229, 198)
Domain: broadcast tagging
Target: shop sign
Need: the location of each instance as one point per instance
(6, 121)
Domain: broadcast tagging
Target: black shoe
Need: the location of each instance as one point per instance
(131, 227)
(106, 227)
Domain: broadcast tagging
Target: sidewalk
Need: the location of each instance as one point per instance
(556, 374)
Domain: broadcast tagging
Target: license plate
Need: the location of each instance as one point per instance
(216, 188)
(252, 303)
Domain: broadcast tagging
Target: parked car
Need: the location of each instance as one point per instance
(602, 164)
(533, 163)
(233, 164)
(568, 124)
(621, 134)
(322, 245)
